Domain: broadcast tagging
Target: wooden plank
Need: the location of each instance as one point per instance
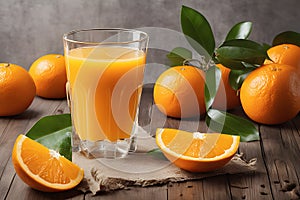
(216, 188)
(17, 125)
(10, 128)
(296, 122)
(279, 147)
(53, 107)
(6, 178)
(22, 191)
(145, 109)
(4, 121)
(191, 125)
(62, 108)
(147, 193)
(43, 107)
(158, 120)
(186, 190)
(251, 185)
(21, 123)
(4, 125)
(296, 132)
(281, 155)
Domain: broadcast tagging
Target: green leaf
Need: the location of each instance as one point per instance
(237, 77)
(178, 55)
(197, 31)
(250, 66)
(227, 123)
(241, 30)
(54, 132)
(212, 81)
(266, 46)
(239, 50)
(157, 153)
(287, 37)
(229, 63)
(60, 141)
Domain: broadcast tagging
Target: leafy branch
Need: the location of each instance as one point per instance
(237, 52)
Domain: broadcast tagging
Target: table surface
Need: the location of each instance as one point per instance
(277, 175)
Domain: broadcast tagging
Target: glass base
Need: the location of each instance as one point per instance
(105, 149)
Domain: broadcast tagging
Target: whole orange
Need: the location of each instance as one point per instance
(179, 92)
(226, 98)
(49, 75)
(271, 94)
(288, 54)
(17, 89)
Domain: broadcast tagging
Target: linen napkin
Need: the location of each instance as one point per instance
(142, 168)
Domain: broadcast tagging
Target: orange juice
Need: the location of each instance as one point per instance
(105, 88)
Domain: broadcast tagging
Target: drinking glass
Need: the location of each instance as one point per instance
(105, 69)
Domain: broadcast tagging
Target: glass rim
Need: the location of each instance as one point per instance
(65, 36)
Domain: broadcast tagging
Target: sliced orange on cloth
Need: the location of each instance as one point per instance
(197, 152)
(42, 168)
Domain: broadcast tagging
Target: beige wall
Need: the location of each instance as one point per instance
(31, 28)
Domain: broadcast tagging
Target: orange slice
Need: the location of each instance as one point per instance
(197, 152)
(42, 168)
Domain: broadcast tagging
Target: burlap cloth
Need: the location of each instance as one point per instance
(144, 169)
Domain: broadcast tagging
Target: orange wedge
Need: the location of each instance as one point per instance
(42, 168)
(197, 152)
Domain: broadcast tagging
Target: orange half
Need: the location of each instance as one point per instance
(42, 168)
(197, 152)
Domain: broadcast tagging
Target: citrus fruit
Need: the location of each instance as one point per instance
(42, 168)
(288, 54)
(49, 75)
(179, 92)
(271, 94)
(197, 152)
(226, 98)
(17, 89)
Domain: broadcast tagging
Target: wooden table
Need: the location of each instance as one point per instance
(277, 175)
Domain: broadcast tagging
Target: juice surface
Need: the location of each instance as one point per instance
(105, 87)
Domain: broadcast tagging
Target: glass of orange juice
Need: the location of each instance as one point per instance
(105, 69)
